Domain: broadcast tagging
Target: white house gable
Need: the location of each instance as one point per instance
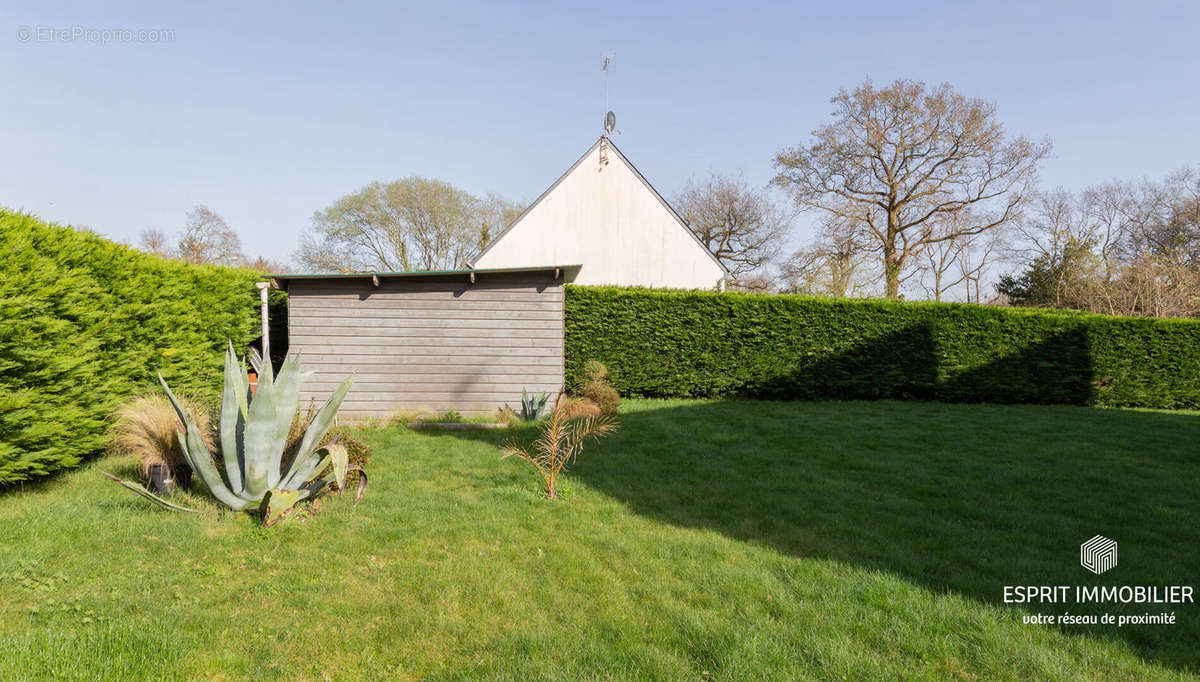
(605, 217)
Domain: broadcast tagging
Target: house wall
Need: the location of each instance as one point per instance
(607, 219)
(428, 343)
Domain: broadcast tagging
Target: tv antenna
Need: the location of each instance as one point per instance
(610, 119)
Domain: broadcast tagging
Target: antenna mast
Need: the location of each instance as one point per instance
(604, 67)
(610, 120)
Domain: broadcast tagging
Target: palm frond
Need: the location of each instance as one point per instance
(559, 442)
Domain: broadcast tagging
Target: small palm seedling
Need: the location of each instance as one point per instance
(259, 473)
(560, 442)
(532, 406)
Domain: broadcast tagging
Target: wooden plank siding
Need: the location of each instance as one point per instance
(428, 343)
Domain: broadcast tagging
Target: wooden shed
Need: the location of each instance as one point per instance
(467, 340)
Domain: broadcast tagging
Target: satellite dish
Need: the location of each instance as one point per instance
(610, 122)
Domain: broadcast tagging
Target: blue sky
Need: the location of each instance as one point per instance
(267, 112)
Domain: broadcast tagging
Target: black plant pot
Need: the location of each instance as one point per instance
(166, 479)
(182, 474)
(162, 481)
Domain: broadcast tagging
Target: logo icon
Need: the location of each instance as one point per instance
(1098, 554)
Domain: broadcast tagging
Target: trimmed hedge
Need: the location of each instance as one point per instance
(705, 344)
(85, 322)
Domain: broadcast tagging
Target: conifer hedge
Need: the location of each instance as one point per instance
(85, 322)
(705, 344)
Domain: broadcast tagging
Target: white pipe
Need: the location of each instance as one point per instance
(266, 327)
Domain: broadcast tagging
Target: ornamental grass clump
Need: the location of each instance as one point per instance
(147, 426)
(560, 442)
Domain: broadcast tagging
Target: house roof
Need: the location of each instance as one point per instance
(285, 276)
(679, 219)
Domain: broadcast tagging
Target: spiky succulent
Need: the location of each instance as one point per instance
(258, 473)
(532, 405)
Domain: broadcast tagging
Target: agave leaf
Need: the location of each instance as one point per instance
(236, 382)
(271, 412)
(199, 458)
(304, 463)
(319, 484)
(256, 361)
(266, 372)
(317, 461)
(233, 423)
(279, 504)
(151, 496)
(362, 481)
(341, 458)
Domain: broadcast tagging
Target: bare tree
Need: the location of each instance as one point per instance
(836, 264)
(760, 283)
(973, 262)
(410, 224)
(494, 213)
(1055, 220)
(940, 267)
(266, 265)
(904, 156)
(155, 241)
(944, 265)
(1119, 248)
(739, 224)
(208, 240)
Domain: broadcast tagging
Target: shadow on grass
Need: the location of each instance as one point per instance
(954, 498)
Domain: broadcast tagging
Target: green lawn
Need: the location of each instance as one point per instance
(706, 540)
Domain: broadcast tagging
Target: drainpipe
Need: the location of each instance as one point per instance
(266, 327)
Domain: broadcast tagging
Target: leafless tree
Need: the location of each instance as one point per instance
(1056, 219)
(940, 267)
(759, 283)
(494, 213)
(155, 241)
(266, 265)
(902, 157)
(1118, 248)
(208, 240)
(410, 224)
(974, 260)
(945, 265)
(738, 223)
(836, 264)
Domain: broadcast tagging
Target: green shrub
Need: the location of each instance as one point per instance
(595, 370)
(698, 344)
(85, 322)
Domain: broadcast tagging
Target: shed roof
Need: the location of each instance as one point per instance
(568, 270)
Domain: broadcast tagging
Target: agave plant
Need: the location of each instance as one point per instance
(532, 405)
(258, 472)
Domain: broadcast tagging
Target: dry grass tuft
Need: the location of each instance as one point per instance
(147, 426)
(576, 407)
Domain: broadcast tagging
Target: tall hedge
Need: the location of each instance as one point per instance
(85, 322)
(692, 344)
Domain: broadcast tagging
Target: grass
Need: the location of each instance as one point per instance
(705, 540)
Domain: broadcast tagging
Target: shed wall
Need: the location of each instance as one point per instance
(429, 343)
